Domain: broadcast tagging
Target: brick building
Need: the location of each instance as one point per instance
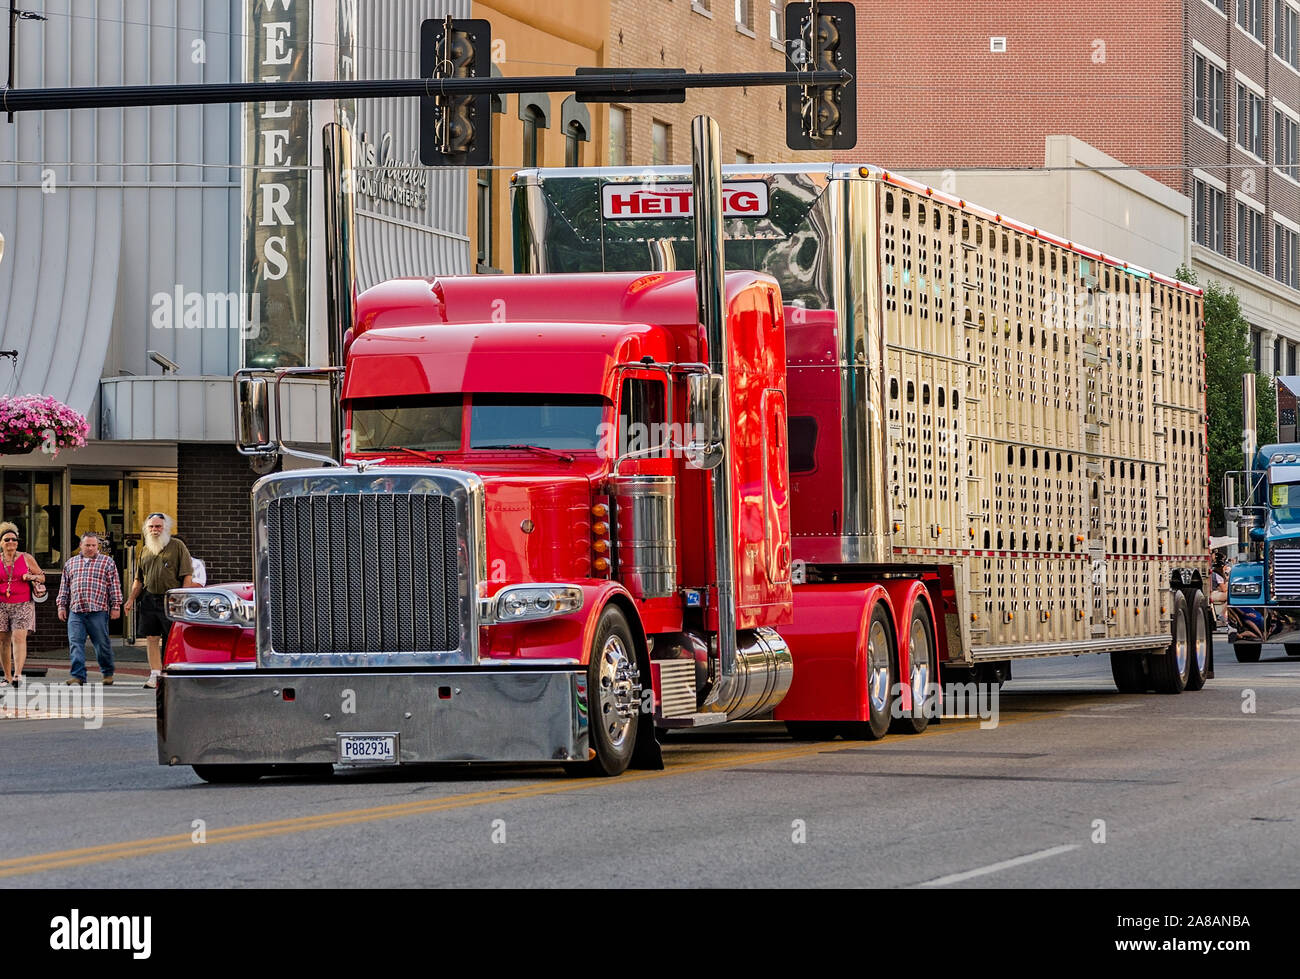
(700, 36)
(1202, 95)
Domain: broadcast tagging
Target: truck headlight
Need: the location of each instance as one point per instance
(1246, 589)
(209, 606)
(521, 603)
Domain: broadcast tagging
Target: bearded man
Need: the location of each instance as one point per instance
(164, 563)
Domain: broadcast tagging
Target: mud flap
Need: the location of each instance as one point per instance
(646, 755)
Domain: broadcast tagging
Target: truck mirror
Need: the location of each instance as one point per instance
(254, 422)
(704, 420)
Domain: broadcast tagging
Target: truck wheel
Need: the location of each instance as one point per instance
(920, 666)
(1247, 652)
(230, 774)
(880, 680)
(812, 730)
(1292, 648)
(1129, 672)
(1201, 636)
(613, 697)
(1170, 671)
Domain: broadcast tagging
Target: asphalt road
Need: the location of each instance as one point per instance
(1077, 786)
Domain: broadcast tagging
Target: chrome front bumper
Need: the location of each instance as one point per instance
(1264, 623)
(234, 718)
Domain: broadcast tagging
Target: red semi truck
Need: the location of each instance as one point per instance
(625, 490)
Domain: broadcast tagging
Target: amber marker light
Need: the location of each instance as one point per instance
(600, 564)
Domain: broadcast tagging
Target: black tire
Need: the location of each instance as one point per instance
(1292, 648)
(920, 644)
(1246, 652)
(1129, 671)
(230, 774)
(812, 730)
(1170, 670)
(613, 698)
(1201, 634)
(881, 671)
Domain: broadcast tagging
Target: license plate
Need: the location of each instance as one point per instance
(375, 749)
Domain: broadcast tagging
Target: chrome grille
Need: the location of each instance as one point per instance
(1285, 570)
(363, 573)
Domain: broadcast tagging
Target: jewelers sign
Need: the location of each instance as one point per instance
(277, 186)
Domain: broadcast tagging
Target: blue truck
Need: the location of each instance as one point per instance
(1264, 589)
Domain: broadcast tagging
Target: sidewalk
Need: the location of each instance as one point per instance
(129, 661)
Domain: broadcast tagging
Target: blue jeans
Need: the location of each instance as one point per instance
(96, 624)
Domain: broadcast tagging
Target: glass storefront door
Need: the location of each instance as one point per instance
(114, 504)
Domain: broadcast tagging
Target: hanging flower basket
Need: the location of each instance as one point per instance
(34, 421)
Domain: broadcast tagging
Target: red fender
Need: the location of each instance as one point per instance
(563, 637)
(904, 593)
(828, 645)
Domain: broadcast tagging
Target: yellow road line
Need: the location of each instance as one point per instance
(83, 856)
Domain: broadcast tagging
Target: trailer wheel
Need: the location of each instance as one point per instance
(1171, 670)
(920, 666)
(1247, 652)
(880, 680)
(1201, 637)
(230, 774)
(1129, 671)
(613, 698)
(812, 730)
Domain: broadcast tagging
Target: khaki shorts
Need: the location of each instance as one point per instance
(15, 616)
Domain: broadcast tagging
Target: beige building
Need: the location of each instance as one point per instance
(545, 129)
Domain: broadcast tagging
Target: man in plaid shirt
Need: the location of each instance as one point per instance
(89, 595)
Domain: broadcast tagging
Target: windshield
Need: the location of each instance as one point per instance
(436, 422)
(1285, 500)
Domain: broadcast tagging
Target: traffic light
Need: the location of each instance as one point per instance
(821, 37)
(456, 130)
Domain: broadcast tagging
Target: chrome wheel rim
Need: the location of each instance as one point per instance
(1180, 642)
(1202, 645)
(918, 661)
(878, 667)
(617, 694)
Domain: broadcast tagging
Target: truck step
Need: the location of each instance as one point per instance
(690, 720)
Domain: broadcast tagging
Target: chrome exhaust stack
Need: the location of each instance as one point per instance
(340, 265)
(710, 299)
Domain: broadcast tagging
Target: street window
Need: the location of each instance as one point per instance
(1285, 144)
(1250, 237)
(1286, 19)
(534, 122)
(745, 14)
(743, 157)
(662, 148)
(774, 20)
(1250, 17)
(1284, 257)
(1209, 92)
(1208, 217)
(484, 221)
(1250, 121)
(618, 151)
(574, 137)
(31, 500)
